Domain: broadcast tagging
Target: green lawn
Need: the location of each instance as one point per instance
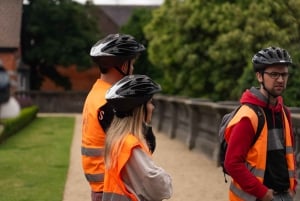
(34, 162)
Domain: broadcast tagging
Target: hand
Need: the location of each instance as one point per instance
(149, 137)
(97, 196)
(268, 196)
(292, 193)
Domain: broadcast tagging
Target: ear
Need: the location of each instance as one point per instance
(259, 77)
(124, 66)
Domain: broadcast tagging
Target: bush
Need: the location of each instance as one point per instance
(13, 125)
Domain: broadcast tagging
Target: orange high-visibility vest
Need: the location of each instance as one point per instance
(93, 137)
(257, 155)
(114, 187)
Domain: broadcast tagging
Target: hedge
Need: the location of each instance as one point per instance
(11, 126)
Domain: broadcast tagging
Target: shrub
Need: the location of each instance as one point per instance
(13, 125)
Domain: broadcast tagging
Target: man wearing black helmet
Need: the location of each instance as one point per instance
(115, 55)
(263, 167)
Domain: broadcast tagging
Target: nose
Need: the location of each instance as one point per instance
(280, 78)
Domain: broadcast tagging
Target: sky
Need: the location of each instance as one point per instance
(124, 2)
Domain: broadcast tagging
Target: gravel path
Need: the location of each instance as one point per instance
(195, 177)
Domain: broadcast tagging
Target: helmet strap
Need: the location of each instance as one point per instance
(128, 69)
(268, 92)
(120, 71)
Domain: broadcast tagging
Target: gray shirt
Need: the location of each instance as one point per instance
(146, 180)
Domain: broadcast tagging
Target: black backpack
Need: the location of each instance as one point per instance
(225, 120)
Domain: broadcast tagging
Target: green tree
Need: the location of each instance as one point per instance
(173, 49)
(56, 32)
(134, 27)
(204, 48)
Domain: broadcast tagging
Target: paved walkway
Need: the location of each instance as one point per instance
(195, 177)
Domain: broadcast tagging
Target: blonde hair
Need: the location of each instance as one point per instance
(118, 130)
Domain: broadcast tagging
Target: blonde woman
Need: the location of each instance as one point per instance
(130, 173)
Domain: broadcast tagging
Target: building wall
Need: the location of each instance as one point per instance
(10, 61)
(10, 31)
(81, 80)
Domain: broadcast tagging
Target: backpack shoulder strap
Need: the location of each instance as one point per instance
(260, 117)
(286, 111)
(289, 118)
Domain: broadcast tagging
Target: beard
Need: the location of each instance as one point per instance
(277, 90)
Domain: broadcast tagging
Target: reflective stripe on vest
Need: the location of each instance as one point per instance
(95, 177)
(92, 151)
(238, 195)
(115, 197)
(255, 162)
(255, 171)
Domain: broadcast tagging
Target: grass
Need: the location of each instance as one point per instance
(34, 162)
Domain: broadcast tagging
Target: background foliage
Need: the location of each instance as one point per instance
(134, 27)
(204, 48)
(56, 32)
(195, 48)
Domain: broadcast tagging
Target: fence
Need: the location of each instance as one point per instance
(54, 102)
(193, 121)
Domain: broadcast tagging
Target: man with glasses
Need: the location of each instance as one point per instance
(263, 167)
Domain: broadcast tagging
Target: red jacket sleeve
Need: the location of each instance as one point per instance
(288, 114)
(241, 139)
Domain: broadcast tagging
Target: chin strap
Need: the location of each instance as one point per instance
(120, 71)
(128, 69)
(268, 92)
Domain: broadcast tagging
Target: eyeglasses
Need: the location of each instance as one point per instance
(276, 75)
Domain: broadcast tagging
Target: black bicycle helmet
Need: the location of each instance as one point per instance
(117, 45)
(114, 50)
(130, 92)
(270, 56)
